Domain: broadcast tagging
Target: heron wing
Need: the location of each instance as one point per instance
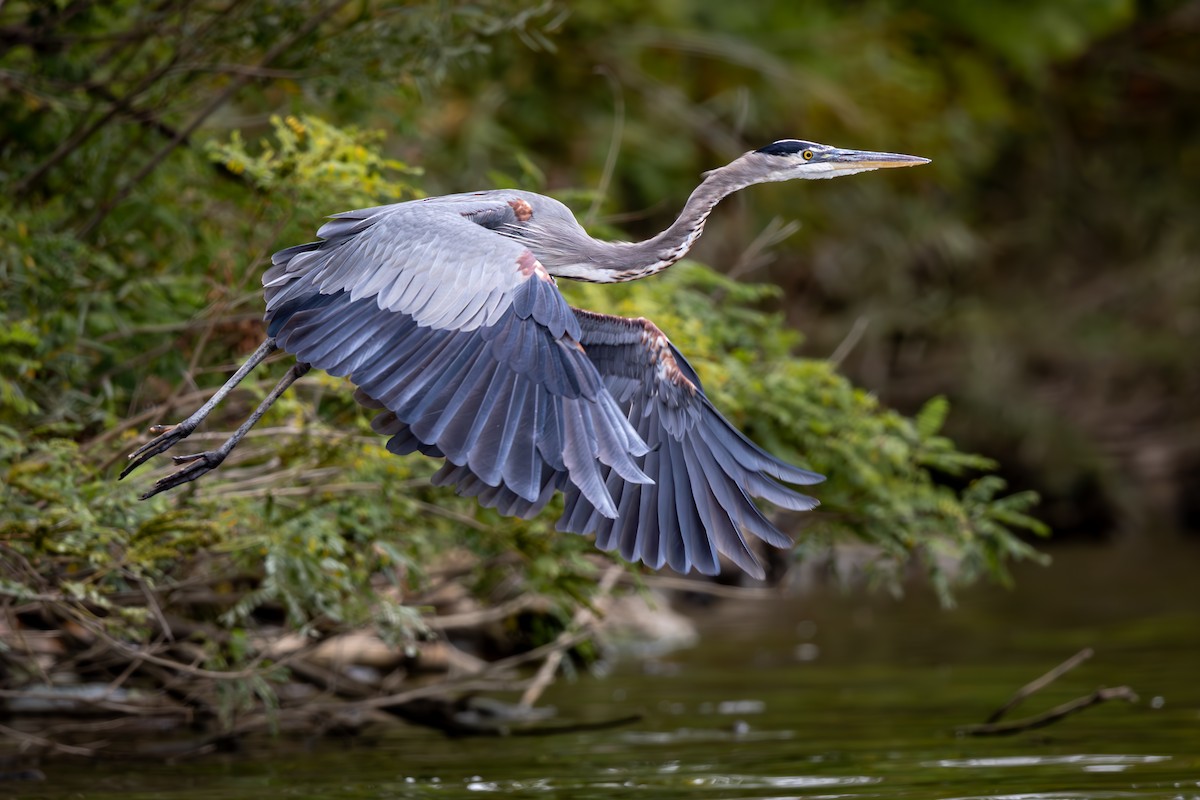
(705, 471)
(462, 338)
(436, 260)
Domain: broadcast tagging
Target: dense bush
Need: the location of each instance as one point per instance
(154, 157)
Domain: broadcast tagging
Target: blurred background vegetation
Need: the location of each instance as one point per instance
(1041, 275)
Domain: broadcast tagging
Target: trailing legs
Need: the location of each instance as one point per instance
(200, 463)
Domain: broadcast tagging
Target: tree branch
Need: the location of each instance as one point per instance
(1051, 716)
(208, 110)
(118, 105)
(1040, 683)
(993, 727)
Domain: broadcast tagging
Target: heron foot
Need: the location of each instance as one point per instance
(169, 436)
(197, 464)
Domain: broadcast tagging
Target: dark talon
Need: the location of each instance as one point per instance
(169, 436)
(198, 464)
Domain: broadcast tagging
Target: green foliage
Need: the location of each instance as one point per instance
(378, 523)
(1038, 264)
(887, 473)
(315, 161)
(130, 271)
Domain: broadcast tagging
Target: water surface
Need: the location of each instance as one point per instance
(823, 695)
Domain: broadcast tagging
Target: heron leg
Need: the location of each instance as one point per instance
(200, 463)
(171, 435)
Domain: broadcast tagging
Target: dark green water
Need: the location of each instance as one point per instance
(824, 695)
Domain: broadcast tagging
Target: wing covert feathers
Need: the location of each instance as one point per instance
(475, 359)
(465, 345)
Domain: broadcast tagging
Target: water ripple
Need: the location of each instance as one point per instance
(1035, 761)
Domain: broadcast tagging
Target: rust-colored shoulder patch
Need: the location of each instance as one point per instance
(529, 266)
(522, 209)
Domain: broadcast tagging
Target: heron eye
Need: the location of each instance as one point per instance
(808, 155)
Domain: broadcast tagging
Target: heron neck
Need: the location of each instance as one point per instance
(642, 259)
(570, 253)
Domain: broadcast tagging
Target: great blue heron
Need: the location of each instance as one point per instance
(445, 314)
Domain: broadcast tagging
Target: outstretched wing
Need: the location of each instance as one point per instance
(461, 335)
(705, 471)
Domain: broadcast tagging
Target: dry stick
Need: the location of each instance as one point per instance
(850, 341)
(208, 110)
(472, 619)
(505, 664)
(175, 327)
(129, 709)
(995, 728)
(1051, 716)
(254, 670)
(584, 619)
(156, 610)
(465, 685)
(758, 254)
(614, 145)
(314, 712)
(1039, 684)
(29, 738)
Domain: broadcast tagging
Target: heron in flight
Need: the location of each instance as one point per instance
(445, 314)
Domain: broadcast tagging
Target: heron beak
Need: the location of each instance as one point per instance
(865, 159)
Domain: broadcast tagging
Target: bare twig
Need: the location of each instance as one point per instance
(848, 344)
(431, 690)
(473, 619)
(993, 727)
(177, 327)
(583, 621)
(242, 69)
(156, 412)
(98, 703)
(1051, 716)
(254, 670)
(614, 145)
(1041, 683)
(31, 739)
(758, 254)
(536, 653)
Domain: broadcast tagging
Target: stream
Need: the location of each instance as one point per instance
(826, 694)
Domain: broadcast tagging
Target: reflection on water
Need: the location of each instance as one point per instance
(824, 695)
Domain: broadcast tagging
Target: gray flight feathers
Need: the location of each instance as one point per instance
(706, 473)
(504, 400)
(448, 325)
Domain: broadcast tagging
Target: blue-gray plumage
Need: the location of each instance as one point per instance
(445, 314)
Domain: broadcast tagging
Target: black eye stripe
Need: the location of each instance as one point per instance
(785, 147)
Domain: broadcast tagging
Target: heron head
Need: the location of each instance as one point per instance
(791, 159)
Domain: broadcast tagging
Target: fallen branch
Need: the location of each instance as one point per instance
(1041, 683)
(583, 622)
(993, 726)
(1051, 716)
